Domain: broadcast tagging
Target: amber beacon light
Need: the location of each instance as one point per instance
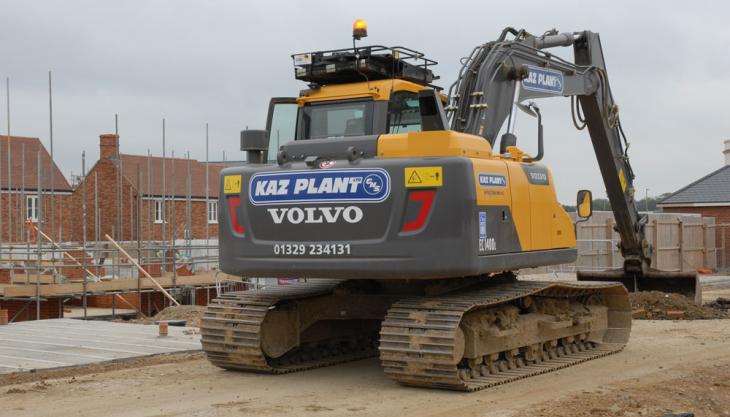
(359, 29)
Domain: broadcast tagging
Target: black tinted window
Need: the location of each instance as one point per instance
(403, 113)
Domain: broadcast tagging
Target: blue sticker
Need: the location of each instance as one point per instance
(347, 185)
(543, 80)
(492, 180)
(482, 224)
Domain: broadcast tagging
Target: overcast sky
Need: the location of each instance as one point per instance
(219, 62)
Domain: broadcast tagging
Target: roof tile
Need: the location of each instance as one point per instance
(712, 188)
(26, 174)
(131, 164)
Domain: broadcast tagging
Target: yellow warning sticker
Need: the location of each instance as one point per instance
(232, 184)
(622, 179)
(424, 176)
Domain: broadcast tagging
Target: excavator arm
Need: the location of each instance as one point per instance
(518, 66)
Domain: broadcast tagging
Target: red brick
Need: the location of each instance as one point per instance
(155, 270)
(203, 296)
(108, 146)
(76, 272)
(50, 309)
(68, 204)
(675, 314)
(183, 271)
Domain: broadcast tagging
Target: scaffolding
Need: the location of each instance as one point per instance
(72, 271)
(34, 267)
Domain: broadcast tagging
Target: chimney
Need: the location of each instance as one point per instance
(108, 146)
(727, 152)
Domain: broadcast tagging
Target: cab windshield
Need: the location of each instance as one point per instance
(333, 120)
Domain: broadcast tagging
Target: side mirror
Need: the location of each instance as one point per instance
(584, 206)
(256, 145)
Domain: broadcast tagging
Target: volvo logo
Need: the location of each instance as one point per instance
(308, 215)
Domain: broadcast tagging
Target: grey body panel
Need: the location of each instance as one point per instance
(331, 148)
(446, 246)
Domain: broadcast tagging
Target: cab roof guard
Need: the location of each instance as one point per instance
(367, 63)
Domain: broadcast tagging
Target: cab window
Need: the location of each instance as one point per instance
(341, 119)
(403, 113)
(281, 123)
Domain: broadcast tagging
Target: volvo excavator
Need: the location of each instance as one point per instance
(406, 216)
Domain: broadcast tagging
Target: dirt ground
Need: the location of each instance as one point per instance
(191, 314)
(667, 366)
(658, 305)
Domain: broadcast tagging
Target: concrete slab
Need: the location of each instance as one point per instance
(67, 342)
(717, 281)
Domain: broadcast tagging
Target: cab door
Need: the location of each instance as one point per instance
(281, 123)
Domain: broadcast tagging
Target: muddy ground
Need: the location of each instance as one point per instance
(667, 366)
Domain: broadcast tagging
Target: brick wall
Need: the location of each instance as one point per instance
(722, 216)
(101, 186)
(203, 296)
(106, 179)
(152, 302)
(198, 215)
(17, 231)
(68, 208)
(50, 309)
(77, 272)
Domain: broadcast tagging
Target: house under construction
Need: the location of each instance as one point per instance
(58, 240)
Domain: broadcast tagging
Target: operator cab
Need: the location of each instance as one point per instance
(353, 94)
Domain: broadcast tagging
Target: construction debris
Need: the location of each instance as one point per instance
(656, 305)
(190, 314)
(721, 303)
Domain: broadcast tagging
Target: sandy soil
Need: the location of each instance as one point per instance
(667, 366)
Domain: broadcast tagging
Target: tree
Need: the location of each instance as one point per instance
(602, 204)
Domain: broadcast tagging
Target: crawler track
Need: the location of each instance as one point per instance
(232, 324)
(419, 336)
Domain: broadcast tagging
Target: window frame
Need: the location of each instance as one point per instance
(31, 213)
(214, 212)
(159, 215)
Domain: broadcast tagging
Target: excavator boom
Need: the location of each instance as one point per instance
(498, 75)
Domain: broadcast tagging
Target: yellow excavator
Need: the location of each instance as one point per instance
(405, 221)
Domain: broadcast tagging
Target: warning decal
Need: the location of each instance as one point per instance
(424, 176)
(622, 179)
(232, 184)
